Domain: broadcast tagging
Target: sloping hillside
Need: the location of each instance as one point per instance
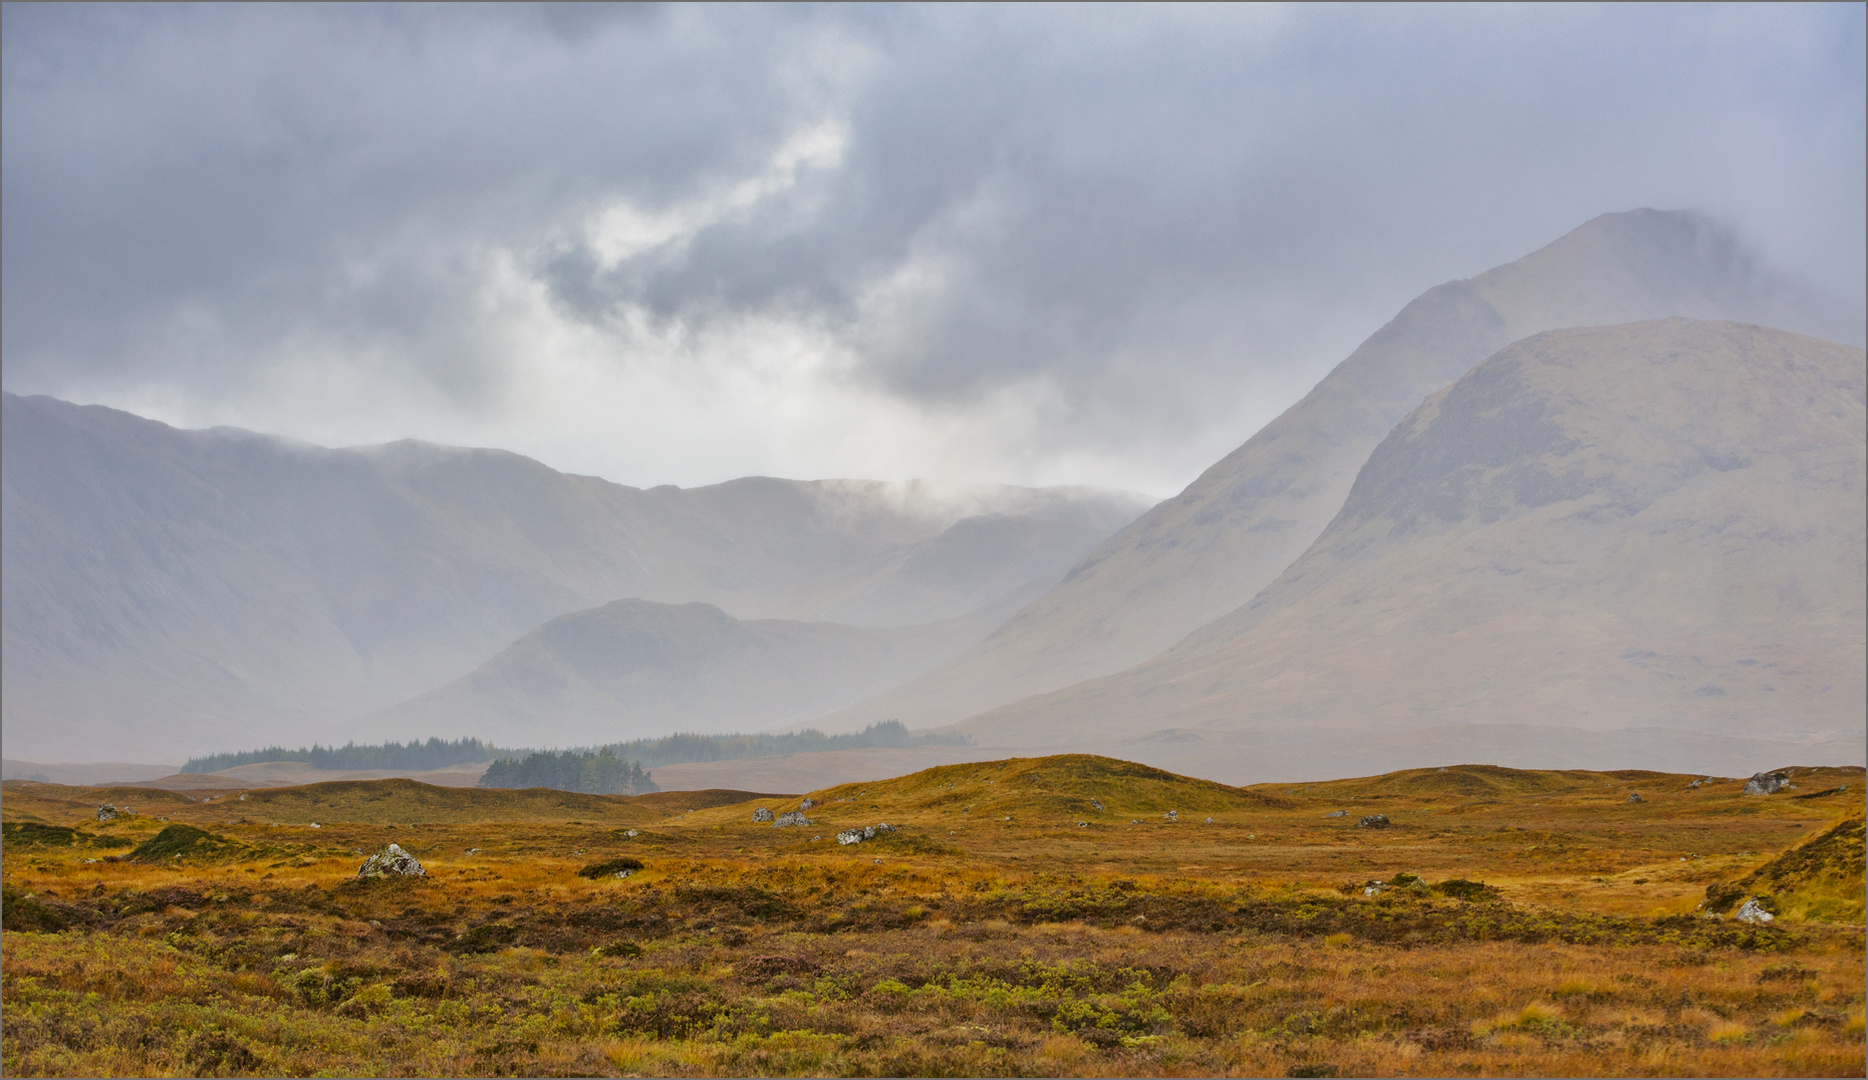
(633, 669)
(1235, 529)
(1624, 546)
(168, 590)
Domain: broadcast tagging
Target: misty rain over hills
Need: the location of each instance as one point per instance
(185, 590)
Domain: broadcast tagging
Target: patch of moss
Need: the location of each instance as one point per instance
(610, 867)
(176, 840)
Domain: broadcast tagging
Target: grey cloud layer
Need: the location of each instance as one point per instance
(1171, 221)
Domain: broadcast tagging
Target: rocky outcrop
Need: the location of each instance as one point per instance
(761, 816)
(867, 832)
(795, 817)
(392, 862)
(109, 812)
(1753, 912)
(1768, 783)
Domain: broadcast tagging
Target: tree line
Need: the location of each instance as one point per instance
(412, 755)
(674, 749)
(594, 772)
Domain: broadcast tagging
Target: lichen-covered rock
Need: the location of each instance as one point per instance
(807, 804)
(761, 816)
(867, 832)
(108, 812)
(1098, 803)
(1172, 815)
(393, 862)
(1753, 912)
(1632, 797)
(795, 817)
(1336, 813)
(1373, 821)
(1768, 783)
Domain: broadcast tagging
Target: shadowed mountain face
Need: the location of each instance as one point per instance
(1201, 554)
(1620, 545)
(634, 669)
(168, 590)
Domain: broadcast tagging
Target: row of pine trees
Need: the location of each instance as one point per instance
(598, 772)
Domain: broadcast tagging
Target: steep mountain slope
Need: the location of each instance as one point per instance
(1629, 545)
(168, 589)
(635, 669)
(1213, 547)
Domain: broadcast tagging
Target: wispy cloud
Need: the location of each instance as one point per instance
(1049, 244)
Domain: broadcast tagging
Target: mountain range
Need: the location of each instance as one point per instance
(1601, 507)
(166, 589)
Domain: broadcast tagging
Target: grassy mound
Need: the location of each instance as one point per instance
(610, 867)
(680, 802)
(40, 834)
(177, 840)
(1467, 781)
(1058, 786)
(1820, 879)
(400, 802)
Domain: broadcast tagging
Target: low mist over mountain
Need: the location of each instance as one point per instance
(169, 592)
(634, 669)
(1621, 545)
(1232, 531)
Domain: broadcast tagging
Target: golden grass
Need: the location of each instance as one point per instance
(963, 945)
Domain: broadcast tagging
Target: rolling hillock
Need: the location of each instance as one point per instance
(1060, 785)
(1821, 879)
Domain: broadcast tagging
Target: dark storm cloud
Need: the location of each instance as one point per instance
(1166, 216)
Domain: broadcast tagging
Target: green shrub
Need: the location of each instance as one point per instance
(176, 840)
(610, 868)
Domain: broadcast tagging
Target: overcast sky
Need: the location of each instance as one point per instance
(1032, 244)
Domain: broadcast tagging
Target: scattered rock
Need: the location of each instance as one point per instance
(807, 804)
(1753, 912)
(1209, 821)
(1695, 784)
(1172, 815)
(1098, 803)
(795, 817)
(1373, 821)
(1337, 813)
(1441, 769)
(867, 832)
(1632, 797)
(632, 832)
(392, 862)
(1083, 824)
(1768, 783)
(108, 812)
(1374, 887)
(761, 816)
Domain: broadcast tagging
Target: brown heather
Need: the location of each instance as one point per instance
(966, 944)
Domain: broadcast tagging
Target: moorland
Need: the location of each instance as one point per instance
(1069, 915)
